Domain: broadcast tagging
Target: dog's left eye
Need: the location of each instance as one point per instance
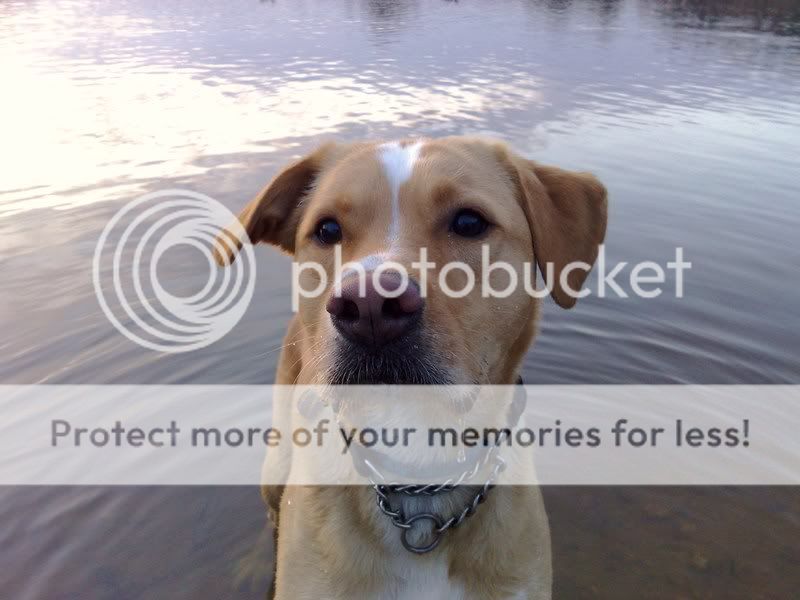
(468, 223)
(329, 232)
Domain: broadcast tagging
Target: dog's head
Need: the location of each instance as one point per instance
(379, 205)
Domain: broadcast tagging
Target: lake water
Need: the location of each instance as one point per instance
(689, 112)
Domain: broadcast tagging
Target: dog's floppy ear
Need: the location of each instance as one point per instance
(273, 215)
(567, 214)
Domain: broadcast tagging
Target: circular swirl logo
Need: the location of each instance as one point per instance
(137, 240)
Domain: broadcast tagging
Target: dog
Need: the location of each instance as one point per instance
(381, 202)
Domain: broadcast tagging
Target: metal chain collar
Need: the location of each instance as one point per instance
(406, 523)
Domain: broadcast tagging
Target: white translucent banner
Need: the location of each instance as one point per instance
(524, 435)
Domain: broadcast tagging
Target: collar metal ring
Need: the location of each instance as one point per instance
(436, 534)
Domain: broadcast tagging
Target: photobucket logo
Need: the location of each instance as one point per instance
(128, 286)
(497, 279)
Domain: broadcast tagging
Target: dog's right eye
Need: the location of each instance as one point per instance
(329, 232)
(468, 223)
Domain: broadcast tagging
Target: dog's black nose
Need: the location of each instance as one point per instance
(373, 316)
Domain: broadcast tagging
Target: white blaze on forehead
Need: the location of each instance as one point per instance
(398, 164)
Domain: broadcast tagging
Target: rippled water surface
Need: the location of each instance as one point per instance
(688, 111)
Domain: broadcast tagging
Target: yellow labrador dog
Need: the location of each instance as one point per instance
(380, 202)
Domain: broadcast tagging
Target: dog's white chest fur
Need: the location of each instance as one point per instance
(420, 577)
(417, 576)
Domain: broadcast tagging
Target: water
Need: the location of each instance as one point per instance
(688, 111)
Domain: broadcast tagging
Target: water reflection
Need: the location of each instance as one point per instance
(387, 18)
(148, 102)
(780, 18)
